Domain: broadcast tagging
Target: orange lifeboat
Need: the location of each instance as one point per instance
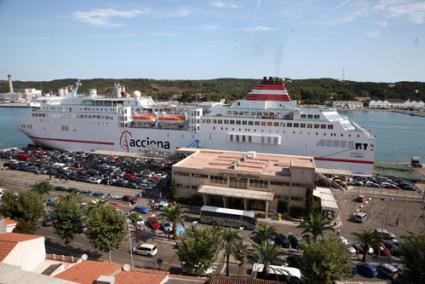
(144, 117)
(173, 117)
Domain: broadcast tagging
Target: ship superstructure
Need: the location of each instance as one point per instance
(267, 120)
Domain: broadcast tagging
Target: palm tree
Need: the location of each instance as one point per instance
(264, 232)
(368, 238)
(230, 241)
(315, 225)
(175, 214)
(267, 255)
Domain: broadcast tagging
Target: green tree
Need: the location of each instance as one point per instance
(308, 208)
(368, 238)
(26, 208)
(174, 214)
(315, 225)
(42, 187)
(198, 249)
(325, 261)
(68, 217)
(267, 254)
(106, 228)
(264, 232)
(230, 243)
(413, 253)
(173, 190)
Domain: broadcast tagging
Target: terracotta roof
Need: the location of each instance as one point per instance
(141, 276)
(9, 240)
(240, 280)
(9, 222)
(88, 271)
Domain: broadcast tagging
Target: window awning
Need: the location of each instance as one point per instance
(327, 199)
(236, 192)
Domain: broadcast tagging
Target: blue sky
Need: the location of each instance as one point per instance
(381, 40)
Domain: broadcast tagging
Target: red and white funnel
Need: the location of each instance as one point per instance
(269, 89)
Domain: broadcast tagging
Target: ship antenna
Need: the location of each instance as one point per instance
(76, 88)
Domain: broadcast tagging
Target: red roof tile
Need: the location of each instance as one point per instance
(145, 276)
(9, 240)
(9, 222)
(88, 271)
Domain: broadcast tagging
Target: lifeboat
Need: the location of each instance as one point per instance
(144, 117)
(172, 118)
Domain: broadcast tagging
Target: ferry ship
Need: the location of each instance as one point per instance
(266, 120)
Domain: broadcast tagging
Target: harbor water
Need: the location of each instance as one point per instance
(399, 136)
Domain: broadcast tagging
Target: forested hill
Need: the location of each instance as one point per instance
(312, 91)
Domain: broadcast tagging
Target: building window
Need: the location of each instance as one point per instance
(218, 179)
(258, 183)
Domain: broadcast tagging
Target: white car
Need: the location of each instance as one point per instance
(167, 227)
(343, 240)
(145, 249)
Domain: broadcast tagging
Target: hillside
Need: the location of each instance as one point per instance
(313, 91)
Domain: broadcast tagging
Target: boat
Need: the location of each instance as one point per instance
(266, 120)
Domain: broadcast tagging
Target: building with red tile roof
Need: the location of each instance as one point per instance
(7, 225)
(23, 250)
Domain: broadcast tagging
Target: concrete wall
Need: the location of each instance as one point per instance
(27, 254)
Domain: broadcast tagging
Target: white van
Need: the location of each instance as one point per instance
(145, 249)
(276, 272)
(360, 217)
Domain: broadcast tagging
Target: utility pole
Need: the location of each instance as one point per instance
(382, 230)
(131, 247)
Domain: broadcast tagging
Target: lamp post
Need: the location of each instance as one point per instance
(384, 219)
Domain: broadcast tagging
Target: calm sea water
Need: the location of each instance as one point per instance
(399, 136)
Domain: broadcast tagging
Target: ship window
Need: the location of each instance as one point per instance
(296, 124)
(214, 121)
(321, 143)
(262, 139)
(269, 123)
(208, 120)
(232, 122)
(276, 140)
(336, 143)
(220, 122)
(350, 144)
(269, 140)
(302, 125)
(330, 126)
(323, 126)
(243, 138)
(244, 122)
(226, 121)
(309, 125)
(237, 138)
(238, 122)
(303, 116)
(310, 116)
(257, 123)
(289, 124)
(343, 144)
(249, 139)
(282, 124)
(250, 122)
(231, 137)
(316, 116)
(276, 124)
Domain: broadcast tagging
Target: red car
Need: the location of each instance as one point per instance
(361, 198)
(153, 223)
(129, 198)
(115, 204)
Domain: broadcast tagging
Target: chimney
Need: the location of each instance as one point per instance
(9, 78)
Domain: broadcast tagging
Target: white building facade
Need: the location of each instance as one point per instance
(347, 104)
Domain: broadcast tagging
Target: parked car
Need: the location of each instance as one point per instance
(116, 205)
(367, 269)
(140, 209)
(153, 223)
(387, 270)
(145, 249)
(360, 217)
(394, 247)
(295, 241)
(360, 247)
(360, 198)
(386, 235)
(167, 227)
(282, 240)
(129, 198)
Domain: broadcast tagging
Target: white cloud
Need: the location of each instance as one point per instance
(165, 34)
(103, 17)
(342, 4)
(179, 12)
(374, 34)
(222, 4)
(414, 11)
(209, 27)
(259, 29)
(382, 24)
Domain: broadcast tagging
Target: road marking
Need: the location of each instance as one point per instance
(169, 262)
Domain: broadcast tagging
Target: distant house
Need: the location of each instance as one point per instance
(394, 103)
(7, 225)
(347, 104)
(363, 99)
